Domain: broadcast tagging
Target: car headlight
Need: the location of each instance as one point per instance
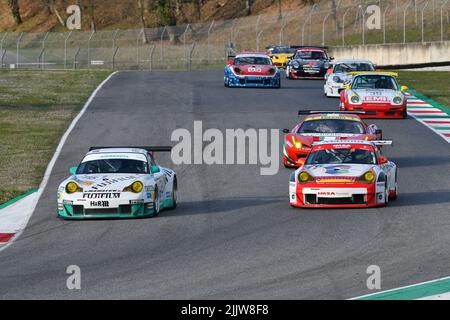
(297, 143)
(337, 79)
(304, 177)
(295, 64)
(397, 100)
(137, 186)
(367, 177)
(271, 71)
(237, 70)
(355, 99)
(72, 187)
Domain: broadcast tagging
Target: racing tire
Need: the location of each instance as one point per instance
(156, 203)
(175, 193)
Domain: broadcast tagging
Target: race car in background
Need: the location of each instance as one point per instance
(252, 70)
(339, 75)
(344, 174)
(377, 92)
(280, 55)
(117, 182)
(324, 126)
(308, 62)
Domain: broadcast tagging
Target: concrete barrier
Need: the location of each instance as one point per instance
(396, 54)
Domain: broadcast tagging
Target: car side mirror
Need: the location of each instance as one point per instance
(154, 169)
(404, 88)
(301, 161)
(332, 58)
(73, 170)
(346, 86)
(286, 131)
(382, 160)
(378, 131)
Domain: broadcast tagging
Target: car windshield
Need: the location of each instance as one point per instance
(310, 55)
(338, 156)
(375, 81)
(113, 166)
(281, 50)
(331, 126)
(253, 60)
(351, 67)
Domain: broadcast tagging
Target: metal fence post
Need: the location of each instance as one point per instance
(152, 51)
(42, 57)
(442, 19)
(306, 21)
(65, 49)
(137, 45)
(89, 49)
(404, 19)
(3, 53)
(162, 44)
(184, 43)
(283, 25)
(18, 49)
(323, 28)
(209, 44)
(75, 58)
(363, 26)
(257, 39)
(114, 57)
(384, 23)
(423, 10)
(190, 56)
(343, 25)
(257, 29)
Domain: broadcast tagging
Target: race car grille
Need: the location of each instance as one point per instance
(100, 211)
(80, 210)
(355, 199)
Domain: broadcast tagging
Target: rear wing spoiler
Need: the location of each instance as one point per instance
(307, 112)
(375, 142)
(309, 47)
(389, 73)
(148, 148)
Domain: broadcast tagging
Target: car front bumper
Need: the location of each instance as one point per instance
(253, 81)
(383, 111)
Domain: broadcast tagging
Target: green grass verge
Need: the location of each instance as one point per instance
(432, 84)
(36, 107)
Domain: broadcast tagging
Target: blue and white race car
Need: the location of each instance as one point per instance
(117, 182)
(252, 70)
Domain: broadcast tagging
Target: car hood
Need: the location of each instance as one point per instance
(255, 70)
(376, 95)
(338, 170)
(311, 63)
(105, 182)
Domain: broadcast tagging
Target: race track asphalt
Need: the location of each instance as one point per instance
(233, 234)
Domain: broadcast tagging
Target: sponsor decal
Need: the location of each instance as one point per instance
(376, 99)
(136, 201)
(101, 195)
(336, 169)
(99, 203)
(326, 193)
(251, 69)
(67, 202)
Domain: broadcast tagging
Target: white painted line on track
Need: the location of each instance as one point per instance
(31, 203)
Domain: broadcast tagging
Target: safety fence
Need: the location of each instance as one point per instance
(191, 46)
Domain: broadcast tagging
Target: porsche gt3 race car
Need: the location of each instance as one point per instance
(117, 182)
(308, 62)
(324, 126)
(344, 174)
(339, 75)
(280, 55)
(378, 92)
(252, 70)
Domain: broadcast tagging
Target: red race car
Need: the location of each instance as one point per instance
(324, 126)
(378, 92)
(344, 174)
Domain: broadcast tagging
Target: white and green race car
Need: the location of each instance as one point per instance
(117, 182)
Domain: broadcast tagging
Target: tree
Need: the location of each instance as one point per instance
(15, 10)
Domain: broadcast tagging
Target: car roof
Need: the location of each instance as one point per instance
(118, 150)
(352, 61)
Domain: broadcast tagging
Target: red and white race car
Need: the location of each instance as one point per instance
(378, 92)
(324, 126)
(344, 174)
